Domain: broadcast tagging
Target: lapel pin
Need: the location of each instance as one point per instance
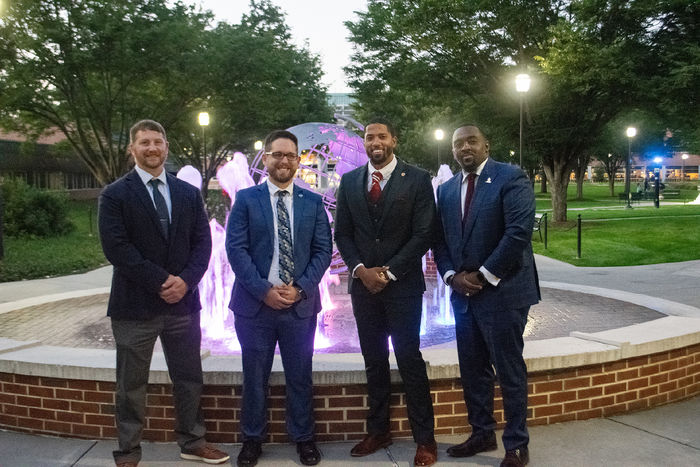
(403, 174)
(488, 180)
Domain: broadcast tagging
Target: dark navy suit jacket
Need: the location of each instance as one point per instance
(399, 239)
(134, 243)
(497, 235)
(250, 245)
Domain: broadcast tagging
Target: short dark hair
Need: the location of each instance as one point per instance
(145, 125)
(475, 126)
(382, 121)
(278, 134)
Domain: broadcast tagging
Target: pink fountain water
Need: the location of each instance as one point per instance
(327, 152)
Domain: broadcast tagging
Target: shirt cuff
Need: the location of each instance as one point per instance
(493, 280)
(447, 275)
(355, 269)
(391, 276)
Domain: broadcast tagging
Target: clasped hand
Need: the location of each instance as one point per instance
(280, 297)
(466, 283)
(173, 289)
(374, 279)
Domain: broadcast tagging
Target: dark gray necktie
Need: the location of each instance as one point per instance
(284, 236)
(161, 207)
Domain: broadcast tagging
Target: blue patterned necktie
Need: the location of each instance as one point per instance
(284, 236)
(161, 207)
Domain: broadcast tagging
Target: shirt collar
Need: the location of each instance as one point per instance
(274, 188)
(386, 171)
(147, 177)
(477, 171)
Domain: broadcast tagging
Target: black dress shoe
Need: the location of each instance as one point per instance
(474, 445)
(249, 454)
(308, 453)
(516, 457)
(370, 444)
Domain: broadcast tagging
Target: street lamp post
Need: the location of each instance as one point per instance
(684, 157)
(439, 135)
(522, 85)
(631, 133)
(203, 119)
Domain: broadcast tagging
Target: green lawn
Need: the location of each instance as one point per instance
(79, 251)
(625, 237)
(598, 194)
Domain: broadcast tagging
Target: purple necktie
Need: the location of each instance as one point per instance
(471, 178)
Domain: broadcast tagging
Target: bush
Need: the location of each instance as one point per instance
(33, 212)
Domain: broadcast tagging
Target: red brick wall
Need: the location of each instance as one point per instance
(84, 409)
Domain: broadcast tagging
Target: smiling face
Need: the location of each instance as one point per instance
(469, 147)
(150, 151)
(281, 171)
(379, 144)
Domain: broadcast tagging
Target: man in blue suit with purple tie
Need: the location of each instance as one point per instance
(483, 252)
(278, 241)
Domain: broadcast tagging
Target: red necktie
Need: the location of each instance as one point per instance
(376, 191)
(471, 177)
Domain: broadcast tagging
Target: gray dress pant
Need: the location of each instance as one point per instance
(180, 336)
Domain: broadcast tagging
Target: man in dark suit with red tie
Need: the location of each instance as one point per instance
(383, 227)
(483, 251)
(154, 230)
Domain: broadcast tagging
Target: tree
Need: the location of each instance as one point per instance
(590, 61)
(256, 80)
(90, 68)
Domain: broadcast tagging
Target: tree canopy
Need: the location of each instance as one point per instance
(91, 68)
(448, 63)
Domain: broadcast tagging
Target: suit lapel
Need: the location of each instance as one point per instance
(453, 210)
(177, 203)
(358, 191)
(484, 186)
(392, 188)
(263, 195)
(298, 206)
(136, 185)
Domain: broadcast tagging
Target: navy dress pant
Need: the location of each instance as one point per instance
(488, 341)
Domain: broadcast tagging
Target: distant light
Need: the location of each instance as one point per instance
(258, 145)
(609, 155)
(657, 159)
(203, 118)
(685, 156)
(522, 82)
(512, 153)
(439, 134)
(631, 132)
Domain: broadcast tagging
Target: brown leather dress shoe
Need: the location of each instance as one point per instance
(516, 457)
(473, 446)
(371, 444)
(426, 454)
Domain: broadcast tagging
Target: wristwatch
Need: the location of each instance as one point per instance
(301, 292)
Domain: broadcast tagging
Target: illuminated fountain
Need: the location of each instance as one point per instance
(327, 152)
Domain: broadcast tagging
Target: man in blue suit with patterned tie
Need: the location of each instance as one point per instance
(483, 252)
(154, 231)
(278, 241)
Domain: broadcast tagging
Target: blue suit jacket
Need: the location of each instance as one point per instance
(250, 245)
(497, 235)
(133, 242)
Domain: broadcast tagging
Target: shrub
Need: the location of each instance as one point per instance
(33, 212)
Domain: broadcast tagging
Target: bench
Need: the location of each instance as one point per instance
(670, 194)
(537, 226)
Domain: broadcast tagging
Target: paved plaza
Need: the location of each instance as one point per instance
(581, 299)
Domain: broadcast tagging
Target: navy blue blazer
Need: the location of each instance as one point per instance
(250, 245)
(399, 239)
(497, 235)
(132, 240)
